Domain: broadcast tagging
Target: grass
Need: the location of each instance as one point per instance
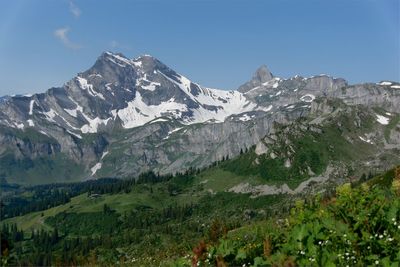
(155, 196)
(35, 220)
(140, 196)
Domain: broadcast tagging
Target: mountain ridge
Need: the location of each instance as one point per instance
(125, 116)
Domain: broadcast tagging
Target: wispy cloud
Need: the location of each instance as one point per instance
(117, 45)
(74, 9)
(62, 35)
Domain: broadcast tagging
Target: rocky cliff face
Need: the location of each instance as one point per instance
(124, 116)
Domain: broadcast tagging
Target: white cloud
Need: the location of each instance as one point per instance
(74, 9)
(115, 44)
(62, 35)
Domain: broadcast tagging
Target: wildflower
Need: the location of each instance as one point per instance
(395, 223)
(376, 262)
(393, 219)
(320, 243)
(344, 235)
(380, 236)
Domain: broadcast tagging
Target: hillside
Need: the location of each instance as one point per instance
(153, 218)
(356, 226)
(157, 220)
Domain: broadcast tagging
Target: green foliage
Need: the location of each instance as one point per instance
(359, 227)
(85, 224)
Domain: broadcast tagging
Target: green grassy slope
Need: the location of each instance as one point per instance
(356, 227)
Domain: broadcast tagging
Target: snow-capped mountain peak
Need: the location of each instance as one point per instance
(130, 92)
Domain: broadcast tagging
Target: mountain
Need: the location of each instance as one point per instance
(125, 116)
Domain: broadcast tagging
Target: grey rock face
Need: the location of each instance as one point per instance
(124, 116)
(261, 76)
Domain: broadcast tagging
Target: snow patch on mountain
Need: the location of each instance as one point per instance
(385, 83)
(382, 119)
(74, 112)
(20, 126)
(138, 113)
(307, 98)
(85, 85)
(245, 117)
(365, 140)
(75, 134)
(31, 107)
(104, 154)
(93, 124)
(95, 168)
(171, 132)
(50, 115)
(151, 87)
(158, 120)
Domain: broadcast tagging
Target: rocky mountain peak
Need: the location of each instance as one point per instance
(262, 74)
(118, 94)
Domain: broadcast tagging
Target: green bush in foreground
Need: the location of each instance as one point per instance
(360, 227)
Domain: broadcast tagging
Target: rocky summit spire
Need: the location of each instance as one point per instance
(261, 76)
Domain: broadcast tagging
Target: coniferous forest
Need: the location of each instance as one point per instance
(354, 224)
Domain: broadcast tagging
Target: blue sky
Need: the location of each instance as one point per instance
(215, 43)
